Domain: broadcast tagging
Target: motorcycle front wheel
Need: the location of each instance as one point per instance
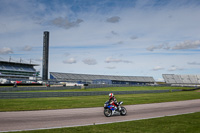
(123, 111)
(107, 112)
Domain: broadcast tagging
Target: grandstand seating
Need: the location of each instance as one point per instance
(10, 70)
(181, 79)
(16, 68)
(89, 78)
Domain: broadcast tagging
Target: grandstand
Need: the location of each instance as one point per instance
(18, 71)
(101, 79)
(182, 79)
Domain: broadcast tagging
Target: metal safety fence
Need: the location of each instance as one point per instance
(16, 95)
(10, 89)
(41, 88)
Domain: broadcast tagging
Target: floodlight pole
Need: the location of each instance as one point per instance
(45, 56)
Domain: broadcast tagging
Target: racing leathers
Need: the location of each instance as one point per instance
(113, 101)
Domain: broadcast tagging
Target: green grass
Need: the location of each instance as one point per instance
(187, 123)
(132, 88)
(92, 101)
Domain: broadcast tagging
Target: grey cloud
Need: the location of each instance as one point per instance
(193, 63)
(69, 61)
(108, 37)
(110, 60)
(179, 46)
(111, 67)
(65, 23)
(152, 48)
(114, 19)
(6, 50)
(118, 43)
(187, 45)
(134, 37)
(157, 68)
(161, 46)
(114, 33)
(174, 68)
(67, 54)
(90, 61)
(27, 48)
(170, 16)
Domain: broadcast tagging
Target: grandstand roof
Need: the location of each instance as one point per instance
(87, 77)
(18, 63)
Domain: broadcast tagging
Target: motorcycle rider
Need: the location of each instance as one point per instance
(113, 101)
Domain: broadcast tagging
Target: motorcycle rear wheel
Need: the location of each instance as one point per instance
(123, 111)
(107, 112)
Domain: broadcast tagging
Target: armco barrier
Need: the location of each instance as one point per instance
(15, 95)
(10, 89)
(107, 85)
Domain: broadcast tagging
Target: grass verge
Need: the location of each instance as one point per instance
(92, 101)
(187, 123)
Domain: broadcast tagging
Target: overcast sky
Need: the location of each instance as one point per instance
(106, 37)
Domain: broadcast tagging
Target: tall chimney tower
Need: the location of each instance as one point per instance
(45, 56)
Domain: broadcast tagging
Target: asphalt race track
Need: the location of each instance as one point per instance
(48, 119)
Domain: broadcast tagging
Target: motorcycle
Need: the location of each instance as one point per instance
(110, 110)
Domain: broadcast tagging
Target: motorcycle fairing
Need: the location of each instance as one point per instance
(111, 107)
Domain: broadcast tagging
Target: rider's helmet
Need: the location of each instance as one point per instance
(111, 95)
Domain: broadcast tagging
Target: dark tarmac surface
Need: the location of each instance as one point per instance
(49, 119)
